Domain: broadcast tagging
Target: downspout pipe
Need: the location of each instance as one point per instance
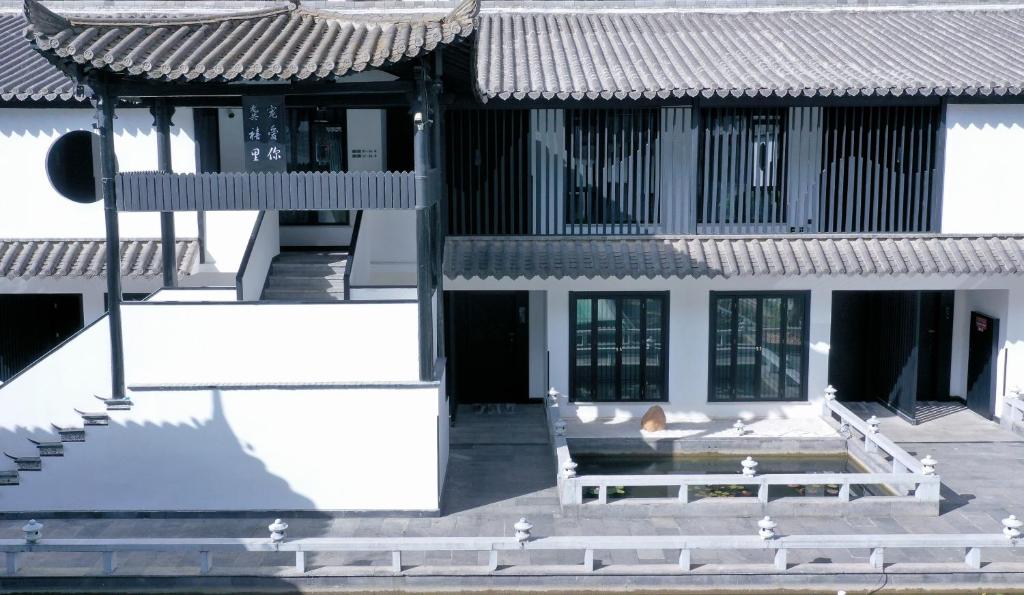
(105, 127)
(162, 120)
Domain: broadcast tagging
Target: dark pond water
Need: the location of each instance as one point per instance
(717, 464)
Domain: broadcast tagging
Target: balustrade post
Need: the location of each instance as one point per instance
(109, 562)
(684, 560)
(844, 492)
(762, 491)
(12, 563)
(205, 562)
(781, 559)
(877, 558)
(396, 561)
(492, 561)
(300, 562)
(588, 560)
(602, 494)
(973, 558)
(684, 494)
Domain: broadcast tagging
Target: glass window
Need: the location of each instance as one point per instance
(758, 347)
(618, 348)
(317, 144)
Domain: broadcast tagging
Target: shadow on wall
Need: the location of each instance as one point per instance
(178, 467)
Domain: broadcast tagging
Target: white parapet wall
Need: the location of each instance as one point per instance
(237, 407)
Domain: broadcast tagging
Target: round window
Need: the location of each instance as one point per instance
(70, 167)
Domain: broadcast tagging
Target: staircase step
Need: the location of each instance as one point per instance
(94, 419)
(307, 295)
(9, 478)
(26, 463)
(313, 283)
(116, 404)
(69, 434)
(49, 449)
(305, 270)
(331, 258)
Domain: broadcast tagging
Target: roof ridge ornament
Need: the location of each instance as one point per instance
(465, 10)
(43, 20)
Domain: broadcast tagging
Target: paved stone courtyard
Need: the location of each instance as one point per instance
(501, 469)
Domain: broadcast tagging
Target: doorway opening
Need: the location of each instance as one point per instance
(488, 346)
(982, 355)
(893, 347)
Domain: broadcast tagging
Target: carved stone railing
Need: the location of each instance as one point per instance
(908, 476)
(259, 191)
(1013, 412)
(767, 538)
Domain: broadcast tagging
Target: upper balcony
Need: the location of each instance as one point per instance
(689, 170)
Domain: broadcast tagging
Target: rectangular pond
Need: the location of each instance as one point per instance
(595, 464)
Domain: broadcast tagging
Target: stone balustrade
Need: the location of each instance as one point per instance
(768, 536)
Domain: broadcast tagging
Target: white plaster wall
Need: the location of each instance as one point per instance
(302, 447)
(689, 303)
(264, 249)
(538, 332)
(386, 249)
(31, 208)
(305, 449)
(270, 343)
(983, 181)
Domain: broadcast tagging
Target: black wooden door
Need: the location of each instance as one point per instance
(33, 324)
(489, 346)
(981, 364)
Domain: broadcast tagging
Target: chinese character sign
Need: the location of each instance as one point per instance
(266, 139)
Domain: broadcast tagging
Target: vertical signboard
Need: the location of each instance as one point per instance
(265, 129)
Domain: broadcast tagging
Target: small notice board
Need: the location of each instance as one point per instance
(266, 135)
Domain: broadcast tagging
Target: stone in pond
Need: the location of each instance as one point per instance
(653, 420)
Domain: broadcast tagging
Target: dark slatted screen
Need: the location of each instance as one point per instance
(743, 162)
(878, 169)
(487, 169)
(611, 170)
(33, 324)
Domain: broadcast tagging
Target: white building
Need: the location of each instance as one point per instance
(629, 213)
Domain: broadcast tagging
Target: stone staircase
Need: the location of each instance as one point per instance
(55, 448)
(306, 277)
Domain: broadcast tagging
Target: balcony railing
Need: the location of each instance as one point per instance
(258, 191)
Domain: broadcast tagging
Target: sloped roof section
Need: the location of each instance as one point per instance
(140, 259)
(283, 41)
(660, 53)
(730, 257)
(25, 75)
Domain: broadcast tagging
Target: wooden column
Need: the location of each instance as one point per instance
(441, 195)
(105, 127)
(162, 121)
(424, 202)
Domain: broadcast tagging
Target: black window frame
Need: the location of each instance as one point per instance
(761, 295)
(665, 298)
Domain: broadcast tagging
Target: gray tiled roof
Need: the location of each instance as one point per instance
(24, 73)
(661, 52)
(140, 259)
(283, 41)
(691, 256)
